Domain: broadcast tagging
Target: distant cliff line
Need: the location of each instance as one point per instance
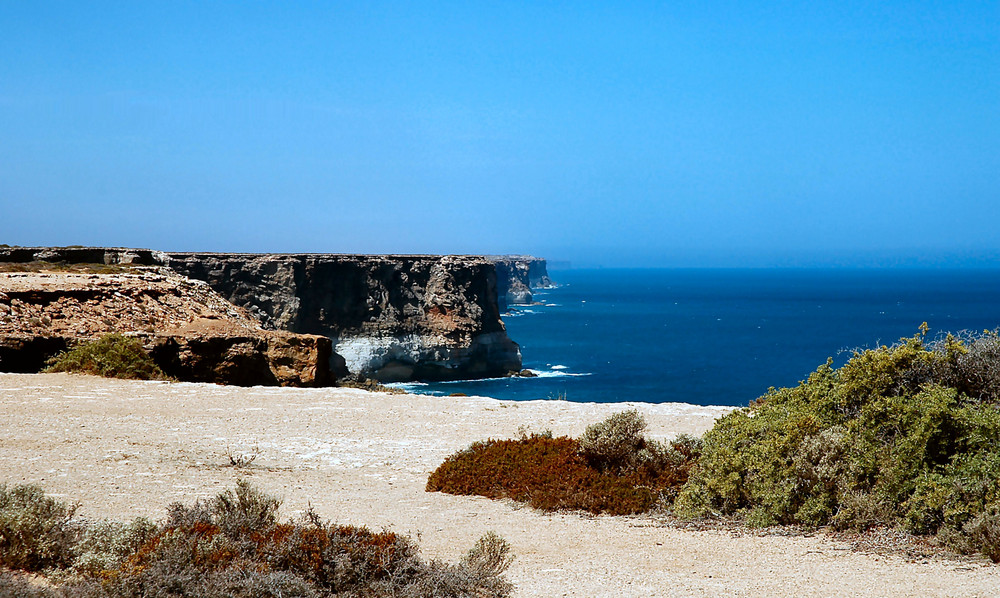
(390, 317)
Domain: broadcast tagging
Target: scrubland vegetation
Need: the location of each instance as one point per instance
(232, 546)
(111, 356)
(905, 436)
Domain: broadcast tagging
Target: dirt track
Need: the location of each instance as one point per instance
(125, 449)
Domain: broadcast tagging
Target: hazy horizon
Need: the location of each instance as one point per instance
(724, 134)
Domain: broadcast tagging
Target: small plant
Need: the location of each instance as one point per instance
(524, 433)
(490, 557)
(111, 356)
(615, 443)
(36, 531)
(242, 460)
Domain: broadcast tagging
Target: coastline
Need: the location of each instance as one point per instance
(127, 448)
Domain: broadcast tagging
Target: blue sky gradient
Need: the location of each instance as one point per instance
(646, 134)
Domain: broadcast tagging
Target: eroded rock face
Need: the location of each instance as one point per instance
(190, 331)
(391, 317)
(516, 276)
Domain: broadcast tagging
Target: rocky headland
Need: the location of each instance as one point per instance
(387, 317)
(517, 275)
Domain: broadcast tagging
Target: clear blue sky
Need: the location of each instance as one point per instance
(696, 133)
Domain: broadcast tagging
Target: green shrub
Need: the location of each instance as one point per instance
(900, 436)
(491, 555)
(613, 469)
(614, 444)
(244, 509)
(36, 532)
(111, 356)
(107, 545)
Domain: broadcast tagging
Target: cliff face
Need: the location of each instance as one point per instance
(516, 276)
(538, 274)
(392, 317)
(190, 331)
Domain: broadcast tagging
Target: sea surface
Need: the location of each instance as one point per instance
(719, 337)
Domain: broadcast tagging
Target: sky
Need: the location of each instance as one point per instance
(720, 134)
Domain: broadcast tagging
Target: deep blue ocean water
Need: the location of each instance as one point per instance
(720, 337)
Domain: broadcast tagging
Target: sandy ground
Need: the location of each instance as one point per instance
(126, 449)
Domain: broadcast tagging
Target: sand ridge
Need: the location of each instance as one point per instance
(126, 448)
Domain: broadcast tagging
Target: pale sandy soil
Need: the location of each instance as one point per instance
(125, 449)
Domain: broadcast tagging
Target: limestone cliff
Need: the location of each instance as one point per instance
(516, 276)
(391, 317)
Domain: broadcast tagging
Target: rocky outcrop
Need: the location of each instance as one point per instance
(516, 276)
(391, 317)
(190, 331)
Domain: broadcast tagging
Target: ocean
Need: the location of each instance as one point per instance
(719, 337)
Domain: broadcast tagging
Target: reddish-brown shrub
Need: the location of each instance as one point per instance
(553, 473)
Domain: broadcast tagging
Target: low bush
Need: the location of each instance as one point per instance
(111, 356)
(615, 443)
(612, 469)
(234, 547)
(107, 545)
(36, 532)
(900, 436)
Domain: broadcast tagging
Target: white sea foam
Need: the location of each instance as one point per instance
(559, 367)
(557, 374)
(404, 385)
